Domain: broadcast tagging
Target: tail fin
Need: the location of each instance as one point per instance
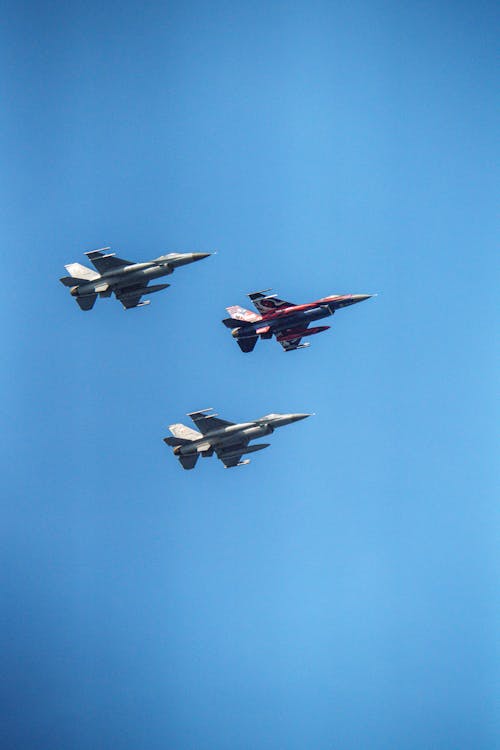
(77, 271)
(183, 432)
(240, 313)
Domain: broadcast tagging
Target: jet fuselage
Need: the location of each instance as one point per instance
(228, 440)
(228, 435)
(136, 274)
(297, 316)
(139, 273)
(238, 433)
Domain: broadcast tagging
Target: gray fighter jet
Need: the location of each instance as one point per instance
(128, 280)
(228, 440)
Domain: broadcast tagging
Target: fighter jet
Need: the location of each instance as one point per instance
(288, 322)
(228, 440)
(128, 280)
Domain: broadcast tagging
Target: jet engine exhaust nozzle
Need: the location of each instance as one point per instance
(243, 332)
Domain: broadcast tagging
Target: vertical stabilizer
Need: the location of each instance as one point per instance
(181, 431)
(81, 272)
(240, 313)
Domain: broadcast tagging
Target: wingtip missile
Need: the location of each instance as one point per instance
(241, 463)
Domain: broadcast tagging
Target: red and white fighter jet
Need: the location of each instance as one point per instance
(288, 322)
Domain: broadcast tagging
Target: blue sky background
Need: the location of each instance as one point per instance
(338, 593)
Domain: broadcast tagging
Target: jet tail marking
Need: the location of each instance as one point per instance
(241, 314)
(81, 272)
(186, 433)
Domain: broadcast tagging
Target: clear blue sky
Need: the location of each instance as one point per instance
(336, 594)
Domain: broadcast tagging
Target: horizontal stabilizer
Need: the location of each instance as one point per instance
(235, 323)
(175, 442)
(72, 281)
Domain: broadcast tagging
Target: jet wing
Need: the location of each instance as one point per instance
(103, 261)
(230, 455)
(130, 296)
(266, 303)
(288, 342)
(208, 422)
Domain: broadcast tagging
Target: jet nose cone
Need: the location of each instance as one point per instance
(298, 417)
(200, 256)
(360, 297)
(280, 420)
